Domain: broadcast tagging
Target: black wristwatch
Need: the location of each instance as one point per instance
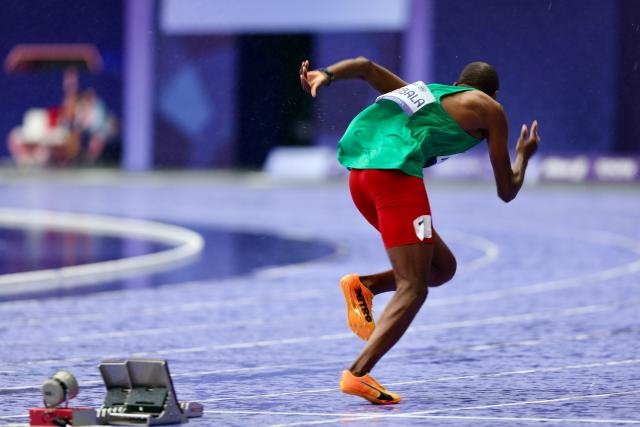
(329, 74)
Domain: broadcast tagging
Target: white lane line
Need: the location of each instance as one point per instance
(367, 415)
(532, 402)
(490, 255)
(423, 414)
(249, 301)
(187, 244)
(407, 354)
(554, 285)
(600, 237)
(172, 309)
(464, 408)
(127, 334)
(9, 417)
(162, 331)
(490, 249)
(583, 366)
(516, 318)
(494, 320)
(185, 286)
(525, 419)
(310, 414)
(433, 417)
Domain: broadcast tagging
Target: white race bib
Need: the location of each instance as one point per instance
(411, 97)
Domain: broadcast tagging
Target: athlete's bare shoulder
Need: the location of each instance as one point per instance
(473, 110)
(480, 102)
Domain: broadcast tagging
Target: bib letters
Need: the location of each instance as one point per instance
(411, 97)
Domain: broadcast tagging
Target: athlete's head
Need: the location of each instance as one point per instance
(481, 76)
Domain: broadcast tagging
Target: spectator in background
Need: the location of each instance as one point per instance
(95, 126)
(33, 143)
(75, 132)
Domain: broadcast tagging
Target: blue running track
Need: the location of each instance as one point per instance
(541, 324)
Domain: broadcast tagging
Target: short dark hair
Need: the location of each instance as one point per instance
(480, 75)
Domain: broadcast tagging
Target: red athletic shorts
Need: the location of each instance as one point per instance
(395, 203)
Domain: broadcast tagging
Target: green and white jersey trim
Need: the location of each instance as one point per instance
(411, 98)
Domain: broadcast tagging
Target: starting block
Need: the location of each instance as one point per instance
(141, 392)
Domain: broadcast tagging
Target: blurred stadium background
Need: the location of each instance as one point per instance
(212, 85)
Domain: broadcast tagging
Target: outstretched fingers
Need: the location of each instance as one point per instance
(304, 82)
(534, 130)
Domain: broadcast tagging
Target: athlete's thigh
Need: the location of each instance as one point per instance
(361, 196)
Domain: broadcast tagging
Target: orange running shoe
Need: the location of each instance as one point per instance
(365, 386)
(359, 306)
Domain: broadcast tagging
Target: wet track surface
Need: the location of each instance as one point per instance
(28, 250)
(226, 254)
(540, 324)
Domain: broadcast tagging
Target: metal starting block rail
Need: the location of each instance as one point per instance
(141, 392)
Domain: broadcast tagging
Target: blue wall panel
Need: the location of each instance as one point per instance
(338, 104)
(556, 60)
(195, 117)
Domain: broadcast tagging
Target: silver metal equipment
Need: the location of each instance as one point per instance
(60, 388)
(141, 392)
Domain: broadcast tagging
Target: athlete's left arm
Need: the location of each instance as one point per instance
(508, 180)
(376, 75)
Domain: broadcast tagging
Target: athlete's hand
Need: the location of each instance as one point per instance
(311, 81)
(528, 141)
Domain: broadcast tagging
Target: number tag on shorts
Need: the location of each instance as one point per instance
(410, 98)
(422, 227)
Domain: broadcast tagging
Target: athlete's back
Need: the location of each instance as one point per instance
(479, 115)
(406, 129)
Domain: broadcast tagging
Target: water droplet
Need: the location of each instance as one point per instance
(635, 66)
(550, 4)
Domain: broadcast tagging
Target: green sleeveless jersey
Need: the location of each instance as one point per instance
(407, 129)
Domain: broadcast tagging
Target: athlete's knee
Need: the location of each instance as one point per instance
(415, 290)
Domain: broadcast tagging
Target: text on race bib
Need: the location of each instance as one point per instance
(411, 97)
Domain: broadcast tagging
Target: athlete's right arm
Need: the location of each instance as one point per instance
(376, 75)
(508, 180)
